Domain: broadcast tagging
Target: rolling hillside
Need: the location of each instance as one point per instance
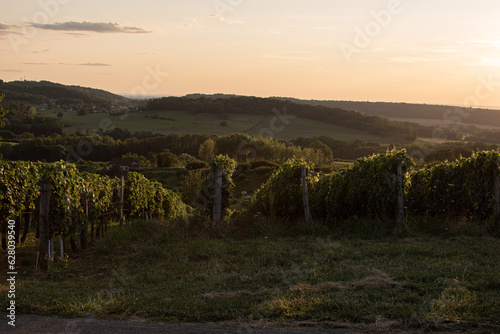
(223, 114)
(43, 91)
(424, 114)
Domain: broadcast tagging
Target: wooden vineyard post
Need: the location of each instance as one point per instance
(61, 247)
(401, 207)
(50, 254)
(27, 225)
(217, 210)
(44, 224)
(305, 197)
(122, 189)
(17, 227)
(497, 200)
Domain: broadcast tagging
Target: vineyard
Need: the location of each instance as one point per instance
(388, 187)
(385, 186)
(77, 201)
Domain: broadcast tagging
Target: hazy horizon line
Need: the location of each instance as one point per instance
(148, 96)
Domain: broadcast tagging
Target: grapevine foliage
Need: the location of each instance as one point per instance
(18, 188)
(20, 191)
(281, 195)
(460, 189)
(208, 196)
(66, 187)
(143, 195)
(100, 190)
(463, 189)
(368, 189)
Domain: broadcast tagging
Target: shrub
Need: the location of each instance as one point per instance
(191, 185)
(262, 163)
(198, 164)
(242, 167)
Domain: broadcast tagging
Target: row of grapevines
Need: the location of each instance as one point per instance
(369, 188)
(281, 195)
(460, 189)
(101, 192)
(66, 187)
(20, 191)
(145, 196)
(18, 188)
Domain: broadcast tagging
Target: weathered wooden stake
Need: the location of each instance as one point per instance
(92, 230)
(37, 257)
(305, 197)
(17, 227)
(73, 245)
(122, 189)
(401, 207)
(61, 247)
(27, 225)
(217, 210)
(50, 253)
(44, 224)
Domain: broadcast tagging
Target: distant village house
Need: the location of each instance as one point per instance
(125, 164)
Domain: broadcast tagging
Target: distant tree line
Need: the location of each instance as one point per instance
(23, 118)
(41, 92)
(170, 150)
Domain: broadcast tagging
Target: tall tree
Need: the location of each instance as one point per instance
(3, 112)
(207, 150)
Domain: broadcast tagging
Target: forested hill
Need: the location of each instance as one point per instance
(476, 116)
(223, 104)
(38, 92)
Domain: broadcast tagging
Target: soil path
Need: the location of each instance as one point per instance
(27, 324)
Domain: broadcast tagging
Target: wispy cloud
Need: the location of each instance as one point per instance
(41, 51)
(322, 27)
(191, 22)
(76, 34)
(222, 19)
(445, 50)
(296, 55)
(94, 64)
(99, 27)
(40, 64)
(414, 59)
(484, 61)
(493, 43)
(11, 71)
(66, 64)
(269, 32)
(6, 26)
(6, 29)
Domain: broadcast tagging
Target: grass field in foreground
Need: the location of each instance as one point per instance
(158, 271)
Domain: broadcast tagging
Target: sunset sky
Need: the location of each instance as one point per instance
(424, 51)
